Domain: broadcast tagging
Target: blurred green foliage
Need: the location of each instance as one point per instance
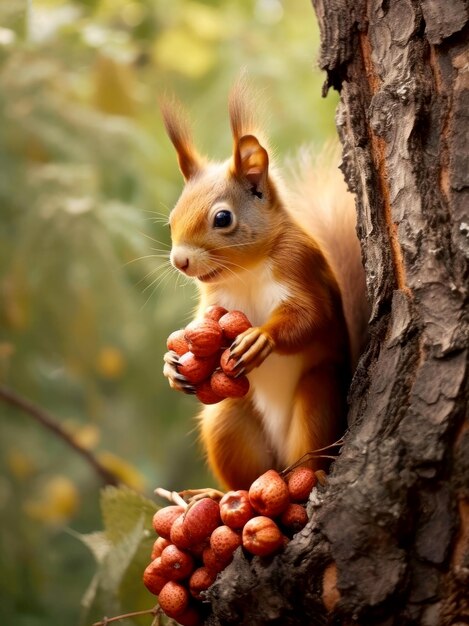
(86, 298)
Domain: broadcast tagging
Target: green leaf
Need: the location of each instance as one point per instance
(122, 509)
(97, 542)
(122, 551)
(103, 595)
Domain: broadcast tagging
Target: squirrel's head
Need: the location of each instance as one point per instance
(224, 220)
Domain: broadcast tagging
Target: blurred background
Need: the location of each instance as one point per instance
(87, 178)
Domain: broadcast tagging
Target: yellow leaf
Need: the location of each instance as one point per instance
(133, 13)
(110, 362)
(206, 21)
(180, 51)
(20, 464)
(124, 470)
(55, 503)
(114, 87)
(85, 435)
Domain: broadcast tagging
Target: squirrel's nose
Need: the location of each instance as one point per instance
(181, 262)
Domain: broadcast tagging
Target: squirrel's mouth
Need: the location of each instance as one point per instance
(208, 277)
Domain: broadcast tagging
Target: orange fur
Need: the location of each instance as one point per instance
(300, 353)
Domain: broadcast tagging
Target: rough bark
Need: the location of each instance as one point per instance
(392, 526)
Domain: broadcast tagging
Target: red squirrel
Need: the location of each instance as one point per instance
(291, 261)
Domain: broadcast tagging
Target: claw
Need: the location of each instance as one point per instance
(250, 349)
(176, 380)
(171, 357)
(244, 342)
(189, 389)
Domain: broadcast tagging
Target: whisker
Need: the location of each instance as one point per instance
(241, 267)
(224, 266)
(155, 284)
(158, 214)
(157, 220)
(226, 263)
(147, 256)
(162, 243)
(158, 281)
(163, 266)
(232, 245)
(167, 251)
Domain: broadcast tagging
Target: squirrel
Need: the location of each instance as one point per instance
(291, 261)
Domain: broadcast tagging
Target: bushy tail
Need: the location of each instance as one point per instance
(321, 204)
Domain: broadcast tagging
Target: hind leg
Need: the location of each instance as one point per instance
(319, 414)
(234, 441)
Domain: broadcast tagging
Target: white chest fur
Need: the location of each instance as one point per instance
(254, 291)
(273, 384)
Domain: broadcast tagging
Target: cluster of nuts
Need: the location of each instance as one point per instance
(204, 354)
(198, 542)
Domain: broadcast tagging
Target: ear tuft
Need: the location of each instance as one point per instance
(241, 107)
(178, 130)
(251, 161)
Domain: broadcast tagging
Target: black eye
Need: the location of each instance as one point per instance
(223, 219)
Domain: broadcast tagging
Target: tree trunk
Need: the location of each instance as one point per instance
(388, 541)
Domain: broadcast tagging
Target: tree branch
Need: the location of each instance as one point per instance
(47, 421)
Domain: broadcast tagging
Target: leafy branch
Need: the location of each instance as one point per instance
(46, 420)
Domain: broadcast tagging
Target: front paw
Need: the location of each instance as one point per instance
(250, 350)
(176, 380)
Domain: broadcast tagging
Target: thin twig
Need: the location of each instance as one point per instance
(171, 496)
(47, 421)
(107, 620)
(308, 456)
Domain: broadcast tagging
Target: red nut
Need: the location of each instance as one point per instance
(294, 518)
(190, 617)
(205, 393)
(227, 387)
(213, 563)
(262, 536)
(177, 563)
(234, 323)
(204, 337)
(200, 581)
(300, 483)
(224, 541)
(214, 312)
(227, 364)
(235, 509)
(268, 494)
(178, 535)
(163, 519)
(158, 547)
(197, 549)
(201, 520)
(177, 342)
(195, 368)
(173, 599)
(154, 577)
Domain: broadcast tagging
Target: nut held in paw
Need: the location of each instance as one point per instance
(204, 337)
(201, 358)
(228, 387)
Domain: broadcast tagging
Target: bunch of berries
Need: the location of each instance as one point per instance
(197, 543)
(203, 351)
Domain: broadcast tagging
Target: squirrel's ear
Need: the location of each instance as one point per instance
(251, 161)
(179, 133)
